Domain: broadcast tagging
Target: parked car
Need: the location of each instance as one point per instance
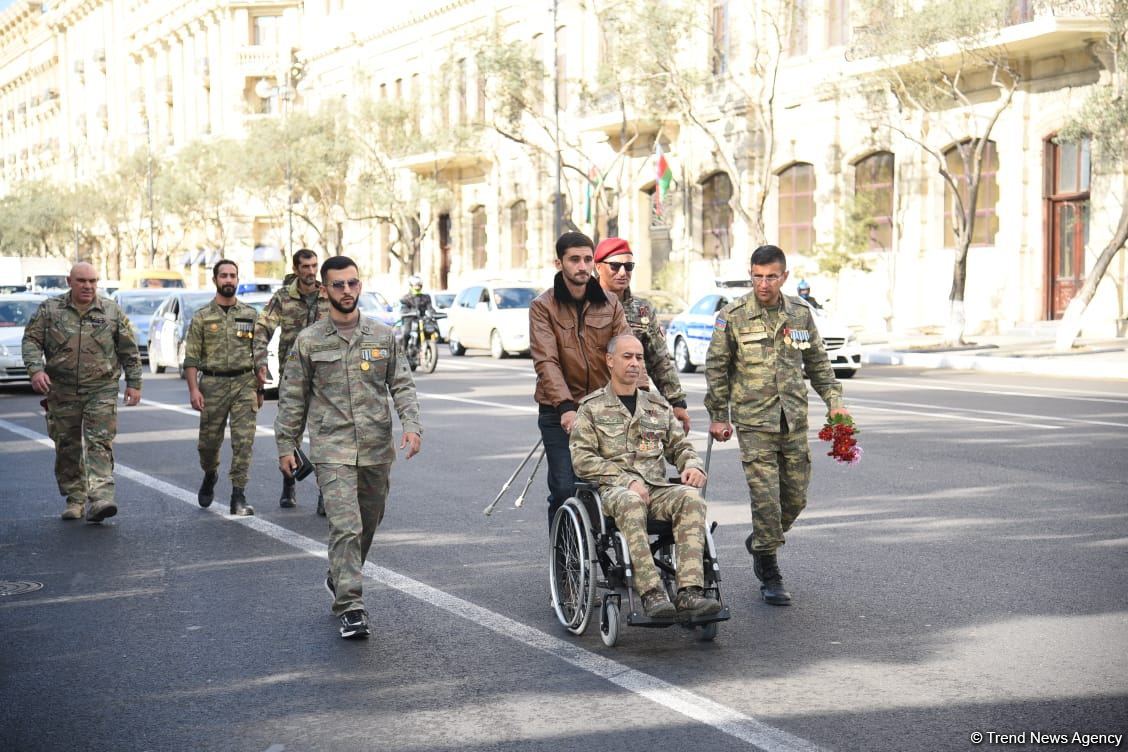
(371, 304)
(493, 315)
(139, 306)
(134, 279)
(441, 301)
(689, 334)
(257, 285)
(16, 310)
(666, 305)
(168, 328)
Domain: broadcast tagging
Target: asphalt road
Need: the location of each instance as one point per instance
(970, 575)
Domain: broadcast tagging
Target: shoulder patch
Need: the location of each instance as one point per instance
(720, 324)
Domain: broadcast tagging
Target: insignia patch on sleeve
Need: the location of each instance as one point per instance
(720, 324)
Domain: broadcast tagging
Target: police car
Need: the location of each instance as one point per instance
(689, 333)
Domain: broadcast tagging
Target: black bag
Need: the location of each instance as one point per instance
(304, 468)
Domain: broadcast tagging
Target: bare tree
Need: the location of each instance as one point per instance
(942, 84)
(1104, 119)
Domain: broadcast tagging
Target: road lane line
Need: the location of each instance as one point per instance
(691, 705)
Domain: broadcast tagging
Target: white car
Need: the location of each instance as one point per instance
(441, 301)
(371, 304)
(492, 315)
(689, 333)
(16, 310)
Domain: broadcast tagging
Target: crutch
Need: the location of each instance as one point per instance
(529, 482)
(489, 510)
(708, 456)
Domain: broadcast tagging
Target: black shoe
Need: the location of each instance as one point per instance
(207, 489)
(766, 569)
(289, 497)
(330, 586)
(320, 504)
(239, 507)
(354, 624)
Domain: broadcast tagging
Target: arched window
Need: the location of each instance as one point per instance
(797, 208)
(478, 236)
(716, 221)
(986, 218)
(873, 188)
(519, 233)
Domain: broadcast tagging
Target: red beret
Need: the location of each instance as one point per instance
(611, 247)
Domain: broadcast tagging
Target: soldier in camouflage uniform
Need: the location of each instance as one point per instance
(222, 385)
(294, 307)
(621, 440)
(615, 263)
(762, 345)
(338, 375)
(75, 347)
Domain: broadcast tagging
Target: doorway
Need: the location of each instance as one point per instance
(1067, 177)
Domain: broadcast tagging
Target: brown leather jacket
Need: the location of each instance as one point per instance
(569, 342)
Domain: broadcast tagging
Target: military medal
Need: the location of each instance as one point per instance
(364, 366)
(375, 353)
(787, 337)
(365, 356)
(215, 327)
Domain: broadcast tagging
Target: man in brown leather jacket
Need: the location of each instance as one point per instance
(569, 328)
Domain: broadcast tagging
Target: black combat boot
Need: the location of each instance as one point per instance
(289, 499)
(320, 504)
(207, 489)
(767, 571)
(239, 506)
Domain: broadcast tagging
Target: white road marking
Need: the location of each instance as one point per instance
(691, 705)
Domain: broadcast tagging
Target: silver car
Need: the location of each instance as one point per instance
(16, 310)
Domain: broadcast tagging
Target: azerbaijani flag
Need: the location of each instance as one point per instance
(665, 177)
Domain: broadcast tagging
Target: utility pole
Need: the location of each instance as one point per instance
(558, 208)
(149, 181)
(74, 156)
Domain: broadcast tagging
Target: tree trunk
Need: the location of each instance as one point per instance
(1070, 325)
(953, 333)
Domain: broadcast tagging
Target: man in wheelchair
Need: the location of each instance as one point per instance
(621, 440)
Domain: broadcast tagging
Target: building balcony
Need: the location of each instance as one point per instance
(260, 60)
(1034, 29)
(459, 149)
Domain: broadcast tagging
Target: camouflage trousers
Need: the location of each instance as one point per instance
(83, 427)
(234, 399)
(777, 467)
(680, 505)
(354, 505)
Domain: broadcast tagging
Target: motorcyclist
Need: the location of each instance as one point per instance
(804, 290)
(415, 303)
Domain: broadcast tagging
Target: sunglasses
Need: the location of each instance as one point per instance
(617, 265)
(339, 285)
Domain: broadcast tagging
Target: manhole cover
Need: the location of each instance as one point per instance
(18, 588)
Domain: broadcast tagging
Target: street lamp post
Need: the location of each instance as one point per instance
(558, 209)
(285, 94)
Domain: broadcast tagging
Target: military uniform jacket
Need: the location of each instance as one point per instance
(292, 311)
(613, 448)
(81, 352)
(659, 368)
(221, 340)
(754, 370)
(341, 389)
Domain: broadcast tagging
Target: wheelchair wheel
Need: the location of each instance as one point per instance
(709, 632)
(609, 626)
(572, 567)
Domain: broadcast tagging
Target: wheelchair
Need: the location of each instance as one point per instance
(587, 562)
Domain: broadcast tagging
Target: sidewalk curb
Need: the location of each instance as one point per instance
(1072, 367)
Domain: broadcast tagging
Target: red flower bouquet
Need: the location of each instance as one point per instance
(841, 430)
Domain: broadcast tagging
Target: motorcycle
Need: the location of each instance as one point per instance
(420, 337)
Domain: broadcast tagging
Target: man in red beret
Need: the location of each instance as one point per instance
(614, 264)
